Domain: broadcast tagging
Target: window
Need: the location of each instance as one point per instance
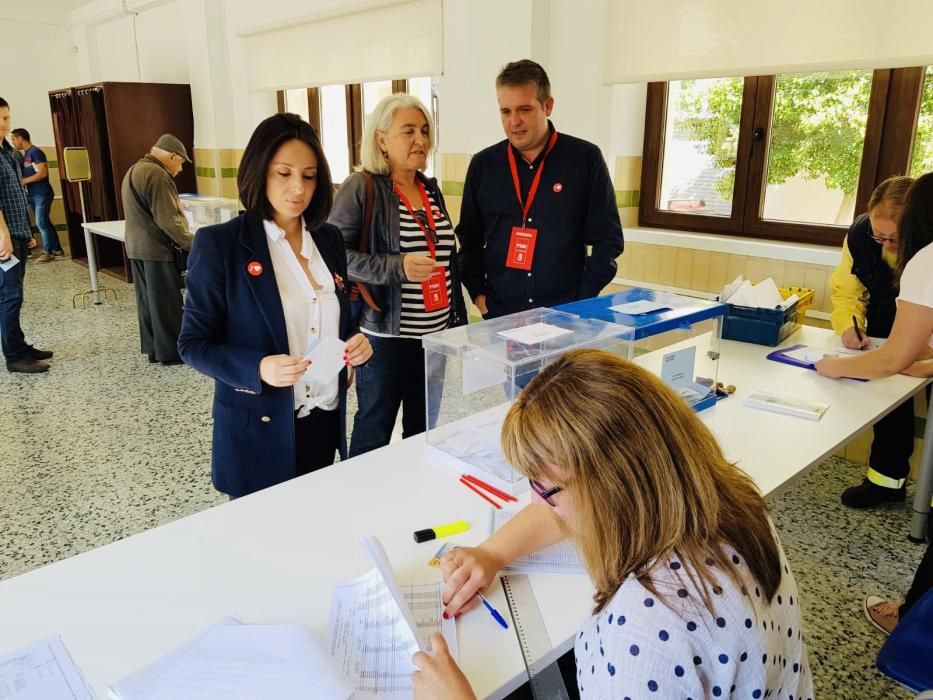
(922, 159)
(792, 156)
(338, 113)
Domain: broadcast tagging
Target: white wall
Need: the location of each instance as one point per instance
(480, 36)
(145, 44)
(36, 52)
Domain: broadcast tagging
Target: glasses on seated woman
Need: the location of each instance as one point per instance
(545, 492)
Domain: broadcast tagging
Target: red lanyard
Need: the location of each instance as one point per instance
(427, 211)
(526, 207)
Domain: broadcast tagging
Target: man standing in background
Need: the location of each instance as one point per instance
(155, 224)
(15, 241)
(39, 192)
(539, 225)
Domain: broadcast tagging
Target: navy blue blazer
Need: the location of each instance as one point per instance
(232, 320)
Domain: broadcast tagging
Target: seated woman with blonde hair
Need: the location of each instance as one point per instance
(694, 598)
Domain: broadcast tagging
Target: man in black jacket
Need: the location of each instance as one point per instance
(533, 204)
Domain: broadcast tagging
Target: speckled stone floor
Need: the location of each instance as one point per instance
(106, 445)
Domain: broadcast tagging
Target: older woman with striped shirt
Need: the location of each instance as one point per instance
(410, 266)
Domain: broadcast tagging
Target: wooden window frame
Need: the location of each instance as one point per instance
(892, 118)
(354, 97)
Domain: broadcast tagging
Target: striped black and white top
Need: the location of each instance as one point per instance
(415, 321)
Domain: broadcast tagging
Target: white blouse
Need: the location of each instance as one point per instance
(917, 280)
(309, 313)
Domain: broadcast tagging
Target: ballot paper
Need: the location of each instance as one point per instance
(42, 670)
(639, 307)
(230, 661)
(476, 441)
(764, 295)
(377, 624)
(560, 558)
(535, 333)
(326, 360)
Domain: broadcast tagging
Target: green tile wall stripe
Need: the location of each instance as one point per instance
(627, 198)
(227, 173)
(452, 189)
(205, 172)
(53, 164)
(920, 425)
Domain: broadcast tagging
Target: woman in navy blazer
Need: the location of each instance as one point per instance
(262, 289)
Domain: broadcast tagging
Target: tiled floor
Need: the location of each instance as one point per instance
(106, 445)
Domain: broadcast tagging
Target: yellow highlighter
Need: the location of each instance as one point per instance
(441, 531)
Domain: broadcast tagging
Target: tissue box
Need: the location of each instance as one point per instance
(767, 326)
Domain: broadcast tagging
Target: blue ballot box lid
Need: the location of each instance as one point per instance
(647, 311)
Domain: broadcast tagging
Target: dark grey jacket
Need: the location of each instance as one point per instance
(154, 219)
(381, 268)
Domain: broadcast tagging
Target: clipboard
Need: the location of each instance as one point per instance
(797, 356)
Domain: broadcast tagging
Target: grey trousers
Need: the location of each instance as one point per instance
(158, 307)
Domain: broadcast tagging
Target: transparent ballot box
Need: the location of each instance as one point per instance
(204, 210)
(673, 336)
(473, 374)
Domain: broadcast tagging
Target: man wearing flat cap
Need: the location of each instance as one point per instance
(155, 225)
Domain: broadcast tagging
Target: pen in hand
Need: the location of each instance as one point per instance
(858, 332)
(492, 611)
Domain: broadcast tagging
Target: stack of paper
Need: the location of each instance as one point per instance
(764, 295)
(376, 625)
(477, 442)
(231, 661)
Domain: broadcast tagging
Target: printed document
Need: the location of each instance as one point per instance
(377, 624)
(41, 671)
(560, 558)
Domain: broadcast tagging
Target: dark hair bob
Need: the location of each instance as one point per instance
(254, 167)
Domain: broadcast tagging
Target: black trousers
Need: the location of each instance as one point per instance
(158, 306)
(317, 437)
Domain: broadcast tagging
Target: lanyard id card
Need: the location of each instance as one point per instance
(434, 290)
(522, 243)
(521, 248)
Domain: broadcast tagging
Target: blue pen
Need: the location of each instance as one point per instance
(492, 611)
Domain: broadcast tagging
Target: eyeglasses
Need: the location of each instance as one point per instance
(882, 239)
(544, 492)
(423, 218)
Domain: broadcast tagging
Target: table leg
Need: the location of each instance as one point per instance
(89, 244)
(918, 523)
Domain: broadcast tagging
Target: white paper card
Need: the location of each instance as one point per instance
(326, 360)
(534, 333)
(786, 404)
(636, 308)
(41, 671)
(9, 263)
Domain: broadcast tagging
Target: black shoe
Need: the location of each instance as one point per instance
(27, 366)
(179, 361)
(869, 495)
(37, 354)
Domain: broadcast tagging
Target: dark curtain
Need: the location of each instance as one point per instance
(65, 129)
(92, 133)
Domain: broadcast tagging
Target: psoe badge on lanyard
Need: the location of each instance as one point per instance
(522, 243)
(434, 290)
(521, 248)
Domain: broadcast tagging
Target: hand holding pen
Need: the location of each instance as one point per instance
(853, 338)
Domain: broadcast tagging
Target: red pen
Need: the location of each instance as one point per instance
(478, 492)
(488, 487)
